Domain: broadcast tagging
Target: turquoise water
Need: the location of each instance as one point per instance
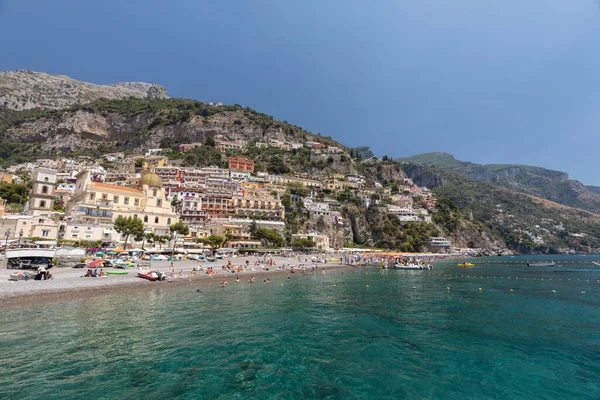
(366, 334)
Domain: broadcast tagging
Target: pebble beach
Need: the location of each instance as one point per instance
(70, 283)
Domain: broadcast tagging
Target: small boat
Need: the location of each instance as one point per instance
(466, 265)
(542, 264)
(409, 266)
(150, 275)
(116, 272)
(596, 263)
(211, 259)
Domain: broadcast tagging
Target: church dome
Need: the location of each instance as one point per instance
(150, 179)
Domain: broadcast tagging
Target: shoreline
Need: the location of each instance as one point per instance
(68, 284)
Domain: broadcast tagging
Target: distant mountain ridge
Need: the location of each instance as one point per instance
(26, 90)
(536, 181)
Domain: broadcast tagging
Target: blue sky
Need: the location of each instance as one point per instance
(496, 81)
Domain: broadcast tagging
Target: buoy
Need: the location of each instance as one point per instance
(480, 289)
(582, 292)
(414, 287)
(553, 291)
(367, 285)
(448, 288)
(510, 290)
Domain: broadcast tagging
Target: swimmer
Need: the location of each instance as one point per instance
(237, 278)
(224, 283)
(251, 279)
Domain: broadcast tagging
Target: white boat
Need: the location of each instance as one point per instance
(409, 266)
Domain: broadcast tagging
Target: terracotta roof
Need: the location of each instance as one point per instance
(116, 187)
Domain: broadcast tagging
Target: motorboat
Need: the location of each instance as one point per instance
(542, 264)
(409, 266)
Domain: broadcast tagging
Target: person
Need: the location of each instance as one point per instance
(42, 272)
(251, 279)
(268, 281)
(95, 273)
(102, 272)
(237, 278)
(224, 283)
(88, 273)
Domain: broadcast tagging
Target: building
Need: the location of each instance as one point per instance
(99, 204)
(185, 147)
(224, 146)
(152, 162)
(321, 241)
(439, 242)
(41, 199)
(241, 163)
(259, 206)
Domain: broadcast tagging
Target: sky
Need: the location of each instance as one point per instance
(495, 81)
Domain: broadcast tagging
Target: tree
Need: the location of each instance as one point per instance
(161, 239)
(270, 237)
(139, 162)
(178, 230)
(253, 228)
(277, 166)
(129, 226)
(151, 238)
(303, 244)
(212, 241)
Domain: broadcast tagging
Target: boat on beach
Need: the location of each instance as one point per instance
(151, 275)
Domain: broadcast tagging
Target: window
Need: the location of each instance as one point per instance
(154, 192)
(105, 197)
(135, 216)
(145, 218)
(136, 202)
(92, 196)
(116, 199)
(44, 189)
(168, 221)
(46, 179)
(43, 204)
(156, 220)
(45, 233)
(126, 201)
(158, 202)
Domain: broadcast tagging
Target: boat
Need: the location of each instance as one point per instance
(409, 266)
(596, 263)
(466, 265)
(116, 272)
(150, 275)
(542, 264)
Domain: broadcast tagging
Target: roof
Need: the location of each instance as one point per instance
(151, 179)
(116, 187)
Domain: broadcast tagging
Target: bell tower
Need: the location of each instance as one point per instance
(41, 200)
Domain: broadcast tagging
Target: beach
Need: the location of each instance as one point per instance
(69, 282)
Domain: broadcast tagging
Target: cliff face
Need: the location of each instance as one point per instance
(76, 130)
(24, 90)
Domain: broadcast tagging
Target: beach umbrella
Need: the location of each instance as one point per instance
(112, 253)
(95, 263)
(99, 253)
(118, 250)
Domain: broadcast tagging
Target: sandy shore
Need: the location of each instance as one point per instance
(70, 283)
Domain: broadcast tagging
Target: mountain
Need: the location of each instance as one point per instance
(540, 182)
(526, 223)
(25, 90)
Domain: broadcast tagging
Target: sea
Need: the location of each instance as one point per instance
(498, 330)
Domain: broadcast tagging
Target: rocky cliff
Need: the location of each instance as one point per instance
(24, 90)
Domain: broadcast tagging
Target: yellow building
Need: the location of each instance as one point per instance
(151, 162)
(101, 203)
(254, 206)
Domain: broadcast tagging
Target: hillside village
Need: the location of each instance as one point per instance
(232, 193)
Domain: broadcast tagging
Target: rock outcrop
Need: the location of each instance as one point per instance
(25, 90)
